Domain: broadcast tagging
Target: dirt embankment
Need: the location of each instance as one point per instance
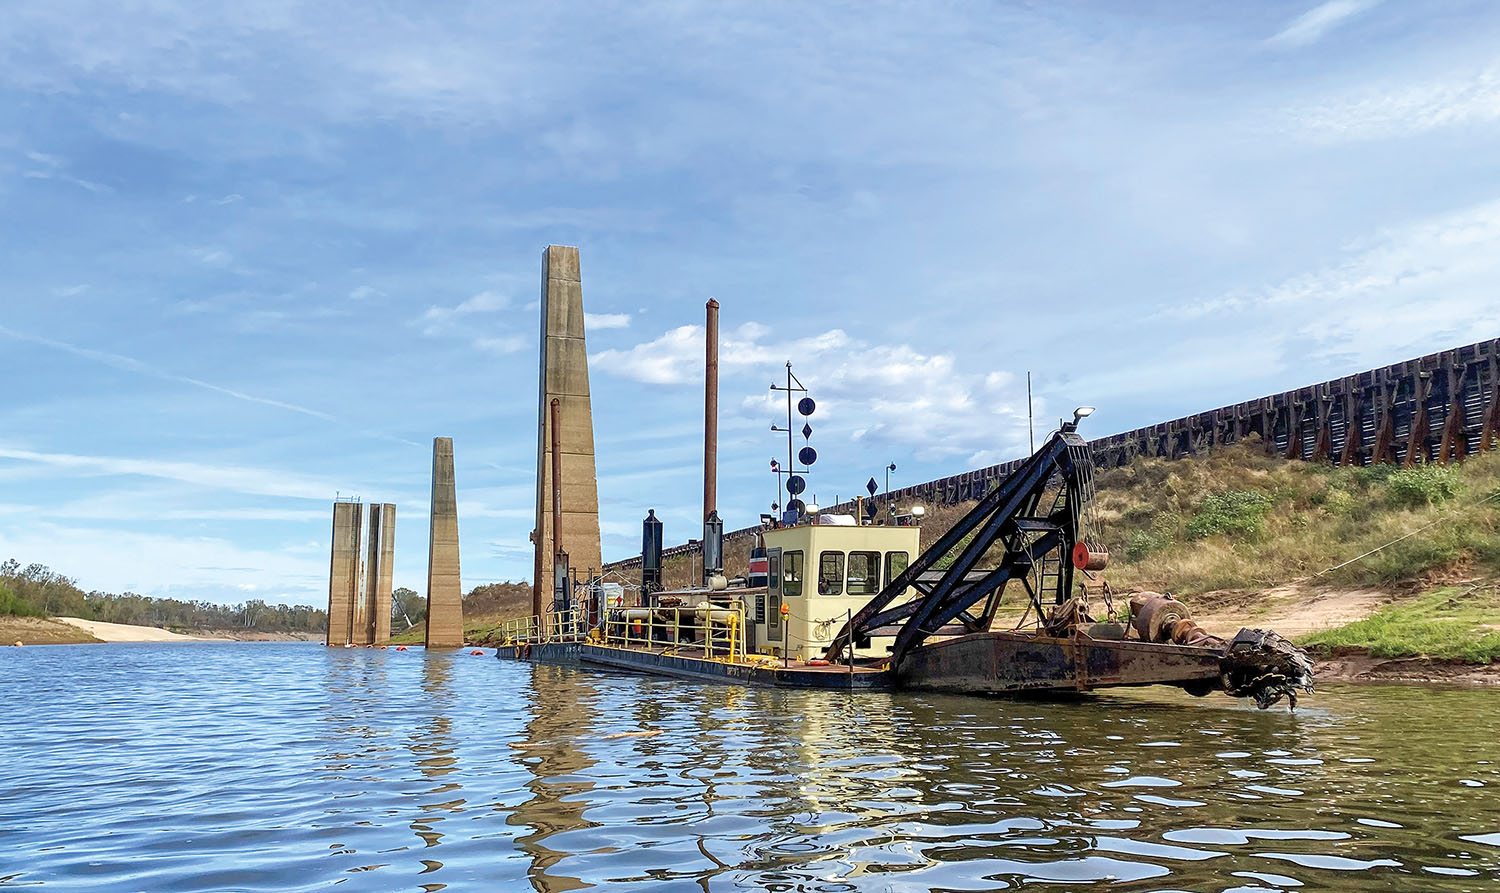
(41, 631)
(1298, 610)
(1358, 666)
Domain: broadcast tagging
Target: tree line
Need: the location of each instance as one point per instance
(38, 591)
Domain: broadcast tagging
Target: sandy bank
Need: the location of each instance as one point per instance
(124, 632)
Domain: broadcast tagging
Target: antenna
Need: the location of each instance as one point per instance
(1030, 426)
(795, 483)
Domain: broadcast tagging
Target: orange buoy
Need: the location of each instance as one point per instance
(817, 662)
(477, 653)
(400, 647)
(382, 647)
(18, 644)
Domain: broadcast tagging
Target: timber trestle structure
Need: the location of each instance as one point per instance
(1439, 408)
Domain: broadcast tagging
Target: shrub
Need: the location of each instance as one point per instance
(1423, 485)
(1333, 500)
(1143, 543)
(1239, 513)
(15, 606)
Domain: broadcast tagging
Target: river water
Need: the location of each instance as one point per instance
(295, 767)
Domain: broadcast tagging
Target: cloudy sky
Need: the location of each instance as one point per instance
(258, 254)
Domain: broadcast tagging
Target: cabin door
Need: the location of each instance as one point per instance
(774, 632)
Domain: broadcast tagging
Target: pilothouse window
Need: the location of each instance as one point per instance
(864, 573)
(831, 573)
(895, 564)
(791, 573)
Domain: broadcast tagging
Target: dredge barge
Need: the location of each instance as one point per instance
(833, 602)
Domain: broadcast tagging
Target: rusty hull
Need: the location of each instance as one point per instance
(1000, 662)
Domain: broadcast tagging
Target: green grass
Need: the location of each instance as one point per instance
(1452, 623)
(477, 631)
(1237, 518)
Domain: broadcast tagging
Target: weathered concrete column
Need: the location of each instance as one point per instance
(343, 572)
(445, 604)
(380, 554)
(564, 376)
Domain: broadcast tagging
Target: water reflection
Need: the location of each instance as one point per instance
(560, 722)
(276, 768)
(436, 752)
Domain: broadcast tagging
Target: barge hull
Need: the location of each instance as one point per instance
(981, 663)
(605, 658)
(1001, 662)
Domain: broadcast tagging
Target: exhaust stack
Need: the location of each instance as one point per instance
(713, 528)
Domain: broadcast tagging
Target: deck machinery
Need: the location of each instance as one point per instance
(930, 624)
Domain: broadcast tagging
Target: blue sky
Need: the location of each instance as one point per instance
(256, 254)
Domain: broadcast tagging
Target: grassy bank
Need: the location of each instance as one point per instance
(1240, 519)
(1447, 623)
(484, 630)
(1234, 531)
(40, 631)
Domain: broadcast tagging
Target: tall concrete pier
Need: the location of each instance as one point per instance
(343, 572)
(445, 606)
(380, 555)
(564, 376)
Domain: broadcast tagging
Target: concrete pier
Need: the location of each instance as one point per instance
(380, 554)
(445, 607)
(343, 572)
(564, 376)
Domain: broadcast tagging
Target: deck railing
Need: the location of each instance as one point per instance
(719, 634)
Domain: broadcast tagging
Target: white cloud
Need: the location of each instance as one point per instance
(439, 320)
(1310, 27)
(240, 479)
(1392, 110)
(129, 364)
(871, 392)
(513, 344)
(1424, 256)
(606, 320)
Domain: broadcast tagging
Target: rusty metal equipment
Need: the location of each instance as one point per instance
(943, 639)
(1032, 544)
(1089, 557)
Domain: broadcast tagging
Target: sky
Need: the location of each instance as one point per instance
(256, 256)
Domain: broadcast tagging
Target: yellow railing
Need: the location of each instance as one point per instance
(718, 634)
(558, 626)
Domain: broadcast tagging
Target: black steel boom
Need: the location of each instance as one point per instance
(1032, 547)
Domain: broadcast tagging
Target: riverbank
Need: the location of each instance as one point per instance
(77, 631)
(41, 631)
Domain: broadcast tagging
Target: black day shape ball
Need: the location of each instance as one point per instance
(806, 406)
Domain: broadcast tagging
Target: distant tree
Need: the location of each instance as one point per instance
(39, 588)
(407, 609)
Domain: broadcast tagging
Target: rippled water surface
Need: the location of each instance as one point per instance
(291, 767)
